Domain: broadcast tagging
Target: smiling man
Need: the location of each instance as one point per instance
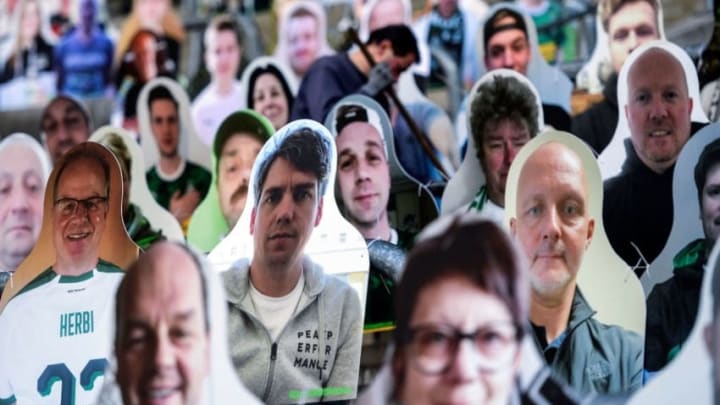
(68, 307)
(638, 203)
(295, 332)
(554, 228)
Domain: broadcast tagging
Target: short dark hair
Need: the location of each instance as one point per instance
(223, 22)
(400, 36)
(709, 157)
(307, 151)
(273, 70)
(85, 150)
(608, 8)
(478, 250)
(503, 97)
(160, 92)
(491, 27)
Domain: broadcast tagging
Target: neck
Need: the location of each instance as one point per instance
(223, 85)
(360, 61)
(65, 268)
(170, 164)
(275, 282)
(553, 313)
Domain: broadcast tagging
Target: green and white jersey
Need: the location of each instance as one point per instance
(55, 338)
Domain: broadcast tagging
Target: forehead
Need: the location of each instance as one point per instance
(222, 36)
(163, 105)
(554, 164)
(356, 134)
(713, 174)
(670, 69)
(282, 173)
(267, 79)
(303, 22)
(83, 169)
(19, 157)
(633, 13)
(60, 108)
(508, 36)
(240, 140)
(505, 127)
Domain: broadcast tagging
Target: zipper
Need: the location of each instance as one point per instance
(273, 357)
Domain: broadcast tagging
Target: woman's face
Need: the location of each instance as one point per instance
(30, 22)
(151, 12)
(269, 99)
(439, 367)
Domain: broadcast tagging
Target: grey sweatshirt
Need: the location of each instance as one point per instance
(315, 358)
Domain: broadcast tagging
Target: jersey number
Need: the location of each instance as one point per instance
(60, 372)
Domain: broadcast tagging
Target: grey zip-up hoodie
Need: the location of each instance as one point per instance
(315, 358)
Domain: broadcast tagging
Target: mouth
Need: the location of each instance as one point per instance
(281, 236)
(78, 236)
(364, 197)
(660, 133)
(159, 395)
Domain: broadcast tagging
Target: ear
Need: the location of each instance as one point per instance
(627, 116)
(690, 106)
(252, 221)
(590, 232)
(318, 217)
(513, 229)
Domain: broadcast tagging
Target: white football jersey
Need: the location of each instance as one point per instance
(55, 338)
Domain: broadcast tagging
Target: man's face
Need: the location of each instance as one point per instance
(236, 161)
(398, 64)
(165, 126)
(710, 203)
(21, 203)
(87, 14)
(303, 42)
(288, 209)
(363, 173)
(552, 224)
(269, 99)
(64, 126)
(501, 142)
(508, 49)
(658, 109)
(223, 54)
(78, 227)
(163, 345)
(631, 26)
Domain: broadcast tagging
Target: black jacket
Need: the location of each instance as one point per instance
(672, 306)
(596, 125)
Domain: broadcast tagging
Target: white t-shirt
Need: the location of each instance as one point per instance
(55, 338)
(275, 312)
(210, 109)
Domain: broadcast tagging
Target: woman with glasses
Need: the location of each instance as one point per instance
(461, 306)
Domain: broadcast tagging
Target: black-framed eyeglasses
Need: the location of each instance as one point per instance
(433, 347)
(68, 206)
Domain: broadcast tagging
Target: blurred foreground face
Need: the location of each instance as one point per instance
(64, 126)
(22, 188)
(162, 347)
(464, 347)
(508, 48)
(304, 42)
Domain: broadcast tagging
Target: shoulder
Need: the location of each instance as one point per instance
(235, 280)
(195, 169)
(39, 281)
(624, 343)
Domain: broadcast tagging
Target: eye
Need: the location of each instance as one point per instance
(136, 338)
(713, 191)
(572, 209)
(671, 95)
(302, 195)
(620, 35)
(273, 197)
(642, 98)
(645, 31)
(346, 163)
(374, 158)
(494, 145)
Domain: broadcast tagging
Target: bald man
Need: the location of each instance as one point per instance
(638, 207)
(553, 225)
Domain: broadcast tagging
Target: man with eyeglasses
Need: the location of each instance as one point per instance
(55, 333)
(553, 226)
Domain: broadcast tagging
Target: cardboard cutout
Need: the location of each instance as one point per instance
(411, 204)
(551, 83)
(115, 246)
(612, 158)
(466, 182)
(334, 244)
(607, 283)
(190, 146)
(594, 74)
(264, 62)
(208, 225)
(688, 379)
(140, 195)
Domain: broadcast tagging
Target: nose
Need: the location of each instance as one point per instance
(632, 41)
(508, 59)
(551, 225)
(509, 153)
(465, 365)
(658, 109)
(163, 355)
(286, 208)
(361, 171)
(19, 201)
